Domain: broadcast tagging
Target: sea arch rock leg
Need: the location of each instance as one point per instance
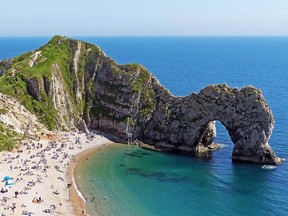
(247, 118)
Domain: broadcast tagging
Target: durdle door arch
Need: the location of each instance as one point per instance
(244, 113)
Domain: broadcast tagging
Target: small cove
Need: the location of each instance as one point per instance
(126, 180)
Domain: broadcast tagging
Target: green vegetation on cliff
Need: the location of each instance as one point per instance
(67, 80)
(8, 138)
(141, 84)
(15, 81)
(29, 79)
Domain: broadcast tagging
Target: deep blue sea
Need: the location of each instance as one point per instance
(133, 181)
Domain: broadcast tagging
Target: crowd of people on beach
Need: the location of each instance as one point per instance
(29, 167)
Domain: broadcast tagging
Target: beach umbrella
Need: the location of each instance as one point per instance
(6, 178)
(9, 182)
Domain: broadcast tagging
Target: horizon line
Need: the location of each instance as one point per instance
(71, 36)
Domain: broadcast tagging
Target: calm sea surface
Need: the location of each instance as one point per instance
(133, 181)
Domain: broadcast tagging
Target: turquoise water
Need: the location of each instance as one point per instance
(132, 181)
(139, 182)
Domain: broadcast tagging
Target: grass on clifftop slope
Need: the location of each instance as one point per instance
(8, 138)
(13, 83)
(60, 50)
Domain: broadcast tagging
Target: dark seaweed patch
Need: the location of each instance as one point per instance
(144, 153)
(139, 152)
(158, 176)
(133, 155)
(133, 171)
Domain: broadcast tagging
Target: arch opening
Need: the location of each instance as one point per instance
(214, 135)
(224, 141)
(243, 149)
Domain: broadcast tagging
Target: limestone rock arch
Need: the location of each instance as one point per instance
(188, 124)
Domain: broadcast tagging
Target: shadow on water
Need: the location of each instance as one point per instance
(149, 152)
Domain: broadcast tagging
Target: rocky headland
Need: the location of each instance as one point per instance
(69, 84)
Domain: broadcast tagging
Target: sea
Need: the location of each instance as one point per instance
(123, 180)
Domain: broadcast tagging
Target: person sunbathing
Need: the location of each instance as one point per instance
(4, 190)
(56, 192)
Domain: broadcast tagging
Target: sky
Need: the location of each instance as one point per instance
(143, 17)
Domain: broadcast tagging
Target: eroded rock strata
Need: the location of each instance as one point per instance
(72, 84)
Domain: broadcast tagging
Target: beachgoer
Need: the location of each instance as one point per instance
(13, 208)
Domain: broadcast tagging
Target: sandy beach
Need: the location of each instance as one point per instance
(41, 175)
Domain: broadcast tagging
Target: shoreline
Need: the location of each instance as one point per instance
(42, 173)
(77, 199)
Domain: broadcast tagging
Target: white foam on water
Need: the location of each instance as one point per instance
(76, 188)
(222, 145)
(269, 167)
(78, 191)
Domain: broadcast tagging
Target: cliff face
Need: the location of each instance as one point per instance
(72, 84)
(5, 65)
